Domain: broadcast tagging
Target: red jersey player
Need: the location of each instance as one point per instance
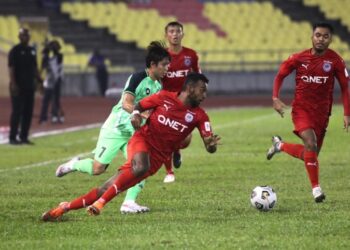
(174, 116)
(316, 69)
(183, 61)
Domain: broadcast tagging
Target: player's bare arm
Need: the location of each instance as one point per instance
(136, 118)
(128, 102)
(211, 143)
(346, 123)
(279, 106)
(128, 105)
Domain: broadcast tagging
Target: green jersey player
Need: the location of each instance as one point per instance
(117, 129)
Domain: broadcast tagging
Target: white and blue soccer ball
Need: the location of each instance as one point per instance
(263, 198)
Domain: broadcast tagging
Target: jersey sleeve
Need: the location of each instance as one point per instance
(285, 69)
(342, 76)
(133, 82)
(204, 126)
(151, 101)
(11, 58)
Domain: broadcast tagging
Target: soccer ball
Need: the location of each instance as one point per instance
(263, 198)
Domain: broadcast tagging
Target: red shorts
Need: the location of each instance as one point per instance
(304, 119)
(137, 144)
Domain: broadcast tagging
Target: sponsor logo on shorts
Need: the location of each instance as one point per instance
(148, 91)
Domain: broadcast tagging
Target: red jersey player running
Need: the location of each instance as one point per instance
(183, 61)
(316, 69)
(174, 116)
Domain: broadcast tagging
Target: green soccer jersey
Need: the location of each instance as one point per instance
(139, 85)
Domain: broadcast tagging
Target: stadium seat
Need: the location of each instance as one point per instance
(9, 26)
(256, 31)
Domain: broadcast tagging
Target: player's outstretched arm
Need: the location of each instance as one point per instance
(279, 106)
(346, 123)
(211, 143)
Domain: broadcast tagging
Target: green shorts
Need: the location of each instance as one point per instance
(108, 145)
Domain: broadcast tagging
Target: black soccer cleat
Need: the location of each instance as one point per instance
(320, 198)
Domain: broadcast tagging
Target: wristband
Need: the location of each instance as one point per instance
(135, 112)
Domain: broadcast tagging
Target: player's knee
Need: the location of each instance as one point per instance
(99, 168)
(311, 145)
(140, 167)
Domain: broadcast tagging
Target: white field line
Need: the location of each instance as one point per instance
(59, 131)
(45, 163)
(244, 122)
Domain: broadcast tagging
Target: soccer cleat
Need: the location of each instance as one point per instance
(169, 178)
(66, 168)
(131, 207)
(275, 148)
(56, 213)
(177, 160)
(95, 208)
(319, 196)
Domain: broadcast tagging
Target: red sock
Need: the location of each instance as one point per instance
(295, 150)
(169, 166)
(125, 180)
(311, 164)
(84, 200)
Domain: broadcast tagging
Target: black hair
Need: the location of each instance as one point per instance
(323, 25)
(193, 78)
(174, 23)
(156, 52)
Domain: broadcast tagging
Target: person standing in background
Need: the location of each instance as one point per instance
(52, 84)
(98, 61)
(183, 61)
(23, 70)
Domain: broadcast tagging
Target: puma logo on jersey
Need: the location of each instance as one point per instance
(305, 65)
(171, 123)
(315, 79)
(166, 107)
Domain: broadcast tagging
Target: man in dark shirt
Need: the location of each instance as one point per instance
(23, 72)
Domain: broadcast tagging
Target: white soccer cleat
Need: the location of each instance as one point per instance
(319, 196)
(169, 178)
(131, 207)
(275, 148)
(66, 168)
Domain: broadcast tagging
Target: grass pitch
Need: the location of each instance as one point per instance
(207, 207)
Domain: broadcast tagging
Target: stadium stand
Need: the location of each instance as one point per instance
(229, 35)
(76, 35)
(249, 40)
(333, 9)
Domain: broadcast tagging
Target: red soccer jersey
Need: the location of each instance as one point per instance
(181, 64)
(171, 121)
(315, 80)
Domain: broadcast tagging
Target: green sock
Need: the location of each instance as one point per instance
(134, 191)
(84, 166)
